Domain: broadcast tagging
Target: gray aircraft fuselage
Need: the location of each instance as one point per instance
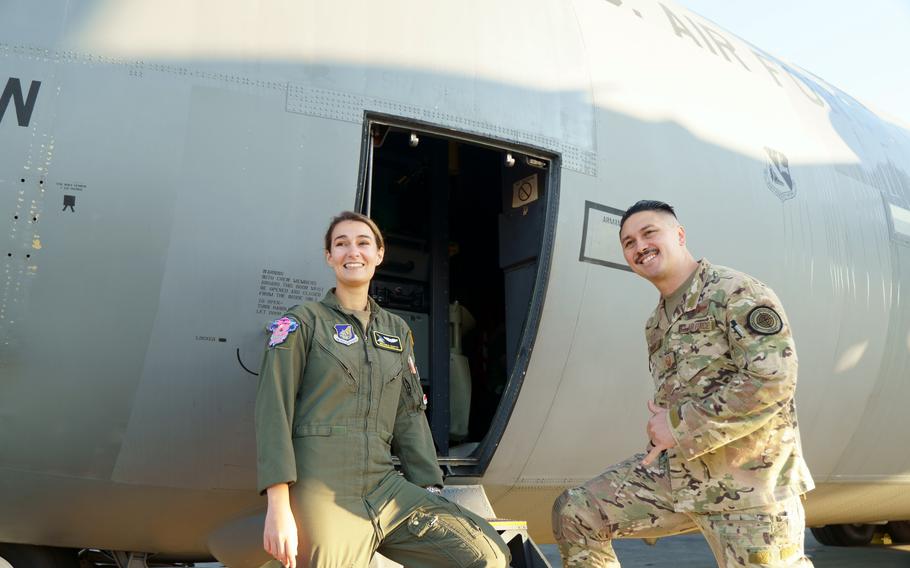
(168, 169)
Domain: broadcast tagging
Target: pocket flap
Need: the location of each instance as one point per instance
(420, 523)
(319, 430)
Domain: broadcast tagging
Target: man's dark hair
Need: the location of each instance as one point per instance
(646, 205)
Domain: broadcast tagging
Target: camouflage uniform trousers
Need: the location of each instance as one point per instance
(630, 500)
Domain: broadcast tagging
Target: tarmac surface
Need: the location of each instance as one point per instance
(691, 551)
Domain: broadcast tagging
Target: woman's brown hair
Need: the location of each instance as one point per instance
(352, 216)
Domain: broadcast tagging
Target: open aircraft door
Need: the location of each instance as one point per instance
(467, 255)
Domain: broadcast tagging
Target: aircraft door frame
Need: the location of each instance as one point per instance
(546, 165)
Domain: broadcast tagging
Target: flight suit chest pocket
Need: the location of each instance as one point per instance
(393, 376)
(330, 363)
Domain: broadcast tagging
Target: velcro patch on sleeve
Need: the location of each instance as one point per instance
(280, 329)
(765, 321)
(700, 325)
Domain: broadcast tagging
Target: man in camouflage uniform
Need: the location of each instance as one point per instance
(725, 454)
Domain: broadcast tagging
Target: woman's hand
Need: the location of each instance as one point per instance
(280, 535)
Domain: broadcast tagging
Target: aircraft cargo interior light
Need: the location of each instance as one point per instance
(510, 160)
(414, 140)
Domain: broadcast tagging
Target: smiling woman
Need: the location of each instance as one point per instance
(339, 393)
(354, 247)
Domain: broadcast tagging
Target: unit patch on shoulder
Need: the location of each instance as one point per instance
(344, 334)
(386, 341)
(280, 329)
(765, 321)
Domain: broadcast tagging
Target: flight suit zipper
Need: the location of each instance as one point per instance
(369, 394)
(366, 417)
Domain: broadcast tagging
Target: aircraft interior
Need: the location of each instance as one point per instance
(463, 224)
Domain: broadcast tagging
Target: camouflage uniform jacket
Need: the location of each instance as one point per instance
(335, 400)
(724, 365)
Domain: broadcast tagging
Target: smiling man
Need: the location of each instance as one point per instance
(724, 454)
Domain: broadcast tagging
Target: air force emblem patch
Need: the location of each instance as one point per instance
(386, 341)
(777, 175)
(344, 334)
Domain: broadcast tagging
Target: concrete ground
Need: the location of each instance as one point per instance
(691, 551)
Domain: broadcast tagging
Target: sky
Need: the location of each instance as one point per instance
(861, 47)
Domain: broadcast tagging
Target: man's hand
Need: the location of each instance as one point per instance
(658, 432)
(279, 538)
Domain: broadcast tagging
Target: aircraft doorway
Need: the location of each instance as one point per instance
(465, 223)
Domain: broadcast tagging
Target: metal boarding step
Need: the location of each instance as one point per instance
(525, 553)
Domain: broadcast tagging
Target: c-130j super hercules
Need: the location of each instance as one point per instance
(168, 168)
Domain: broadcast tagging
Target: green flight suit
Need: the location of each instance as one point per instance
(724, 366)
(334, 402)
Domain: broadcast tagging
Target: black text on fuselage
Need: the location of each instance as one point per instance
(24, 104)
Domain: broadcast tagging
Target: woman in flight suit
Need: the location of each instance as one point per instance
(338, 394)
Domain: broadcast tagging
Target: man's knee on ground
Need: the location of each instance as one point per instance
(576, 520)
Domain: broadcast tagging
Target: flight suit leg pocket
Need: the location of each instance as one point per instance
(420, 522)
(484, 537)
(446, 535)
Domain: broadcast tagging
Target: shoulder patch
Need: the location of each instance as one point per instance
(387, 341)
(280, 329)
(765, 321)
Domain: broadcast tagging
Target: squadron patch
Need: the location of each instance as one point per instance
(765, 321)
(280, 329)
(344, 334)
(386, 341)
